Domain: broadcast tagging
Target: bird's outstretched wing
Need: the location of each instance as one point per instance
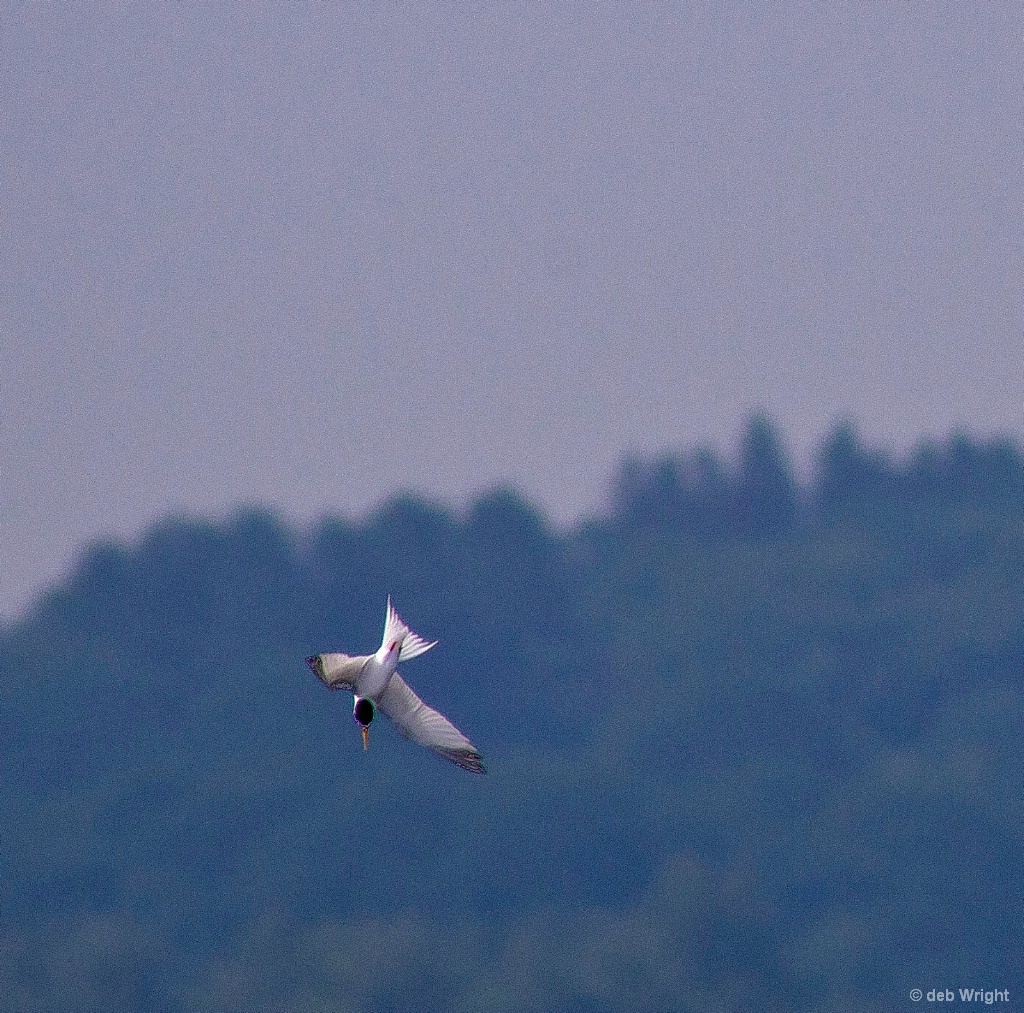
(338, 671)
(416, 721)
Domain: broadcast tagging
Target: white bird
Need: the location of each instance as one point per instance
(374, 681)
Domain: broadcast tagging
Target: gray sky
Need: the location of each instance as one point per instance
(309, 255)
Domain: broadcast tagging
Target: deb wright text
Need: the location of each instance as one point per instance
(986, 996)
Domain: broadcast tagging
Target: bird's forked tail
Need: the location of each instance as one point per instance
(413, 645)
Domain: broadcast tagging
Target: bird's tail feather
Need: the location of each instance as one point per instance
(413, 645)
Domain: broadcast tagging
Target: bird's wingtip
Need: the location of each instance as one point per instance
(467, 759)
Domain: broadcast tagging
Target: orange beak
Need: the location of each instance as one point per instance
(366, 737)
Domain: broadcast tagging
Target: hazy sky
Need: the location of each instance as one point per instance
(308, 255)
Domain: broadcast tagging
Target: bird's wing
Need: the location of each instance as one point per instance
(338, 671)
(416, 721)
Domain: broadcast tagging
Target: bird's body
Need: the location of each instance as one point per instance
(374, 681)
(374, 676)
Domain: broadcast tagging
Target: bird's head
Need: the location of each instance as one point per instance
(363, 713)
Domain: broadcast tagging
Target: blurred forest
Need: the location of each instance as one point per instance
(753, 744)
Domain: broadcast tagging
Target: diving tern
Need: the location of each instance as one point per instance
(374, 681)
